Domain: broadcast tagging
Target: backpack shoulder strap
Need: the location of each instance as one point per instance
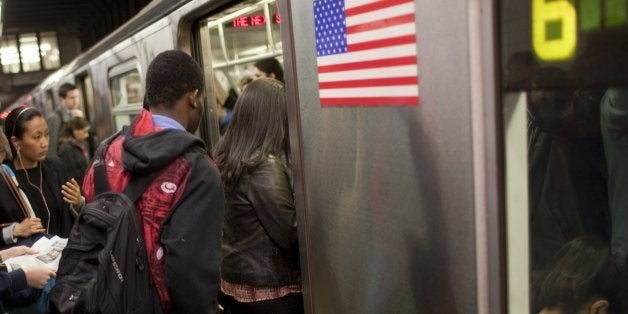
(101, 181)
(138, 184)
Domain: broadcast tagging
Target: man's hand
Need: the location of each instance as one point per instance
(37, 277)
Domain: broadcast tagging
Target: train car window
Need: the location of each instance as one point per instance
(29, 52)
(9, 55)
(565, 102)
(126, 88)
(127, 92)
(49, 49)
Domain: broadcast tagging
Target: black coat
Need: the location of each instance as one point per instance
(55, 176)
(74, 160)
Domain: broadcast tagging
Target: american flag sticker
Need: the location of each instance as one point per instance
(366, 52)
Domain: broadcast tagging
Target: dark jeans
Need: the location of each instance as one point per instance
(289, 304)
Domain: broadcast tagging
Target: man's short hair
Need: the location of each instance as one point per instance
(170, 75)
(65, 88)
(270, 65)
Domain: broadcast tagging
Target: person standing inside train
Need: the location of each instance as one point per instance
(54, 197)
(260, 265)
(181, 211)
(72, 149)
(69, 98)
(268, 67)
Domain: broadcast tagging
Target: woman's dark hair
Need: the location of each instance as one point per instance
(15, 124)
(4, 146)
(583, 270)
(169, 76)
(258, 128)
(270, 65)
(76, 123)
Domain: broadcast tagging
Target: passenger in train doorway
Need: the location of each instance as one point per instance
(583, 278)
(270, 68)
(72, 149)
(182, 209)
(260, 265)
(50, 198)
(68, 108)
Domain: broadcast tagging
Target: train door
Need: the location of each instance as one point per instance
(564, 94)
(86, 90)
(231, 42)
(49, 102)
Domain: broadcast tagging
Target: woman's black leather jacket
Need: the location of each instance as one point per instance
(260, 244)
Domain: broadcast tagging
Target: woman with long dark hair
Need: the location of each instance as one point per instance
(50, 193)
(260, 266)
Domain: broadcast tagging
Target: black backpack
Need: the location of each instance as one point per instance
(103, 268)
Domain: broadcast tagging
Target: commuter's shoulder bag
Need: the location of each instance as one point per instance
(103, 268)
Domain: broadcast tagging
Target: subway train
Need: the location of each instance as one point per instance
(446, 154)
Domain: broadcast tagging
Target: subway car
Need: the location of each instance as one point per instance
(449, 156)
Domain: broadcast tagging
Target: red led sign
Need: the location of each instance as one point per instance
(254, 20)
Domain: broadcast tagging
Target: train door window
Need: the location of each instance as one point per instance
(565, 102)
(87, 95)
(50, 101)
(127, 94)
(232, 41)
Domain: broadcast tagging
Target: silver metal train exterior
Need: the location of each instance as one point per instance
(401, 209)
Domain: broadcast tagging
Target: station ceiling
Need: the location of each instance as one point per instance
(90, 20)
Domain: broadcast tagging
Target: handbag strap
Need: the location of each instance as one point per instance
(14, 191)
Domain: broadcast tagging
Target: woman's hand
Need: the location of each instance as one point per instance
(72, 194)
(28, 227)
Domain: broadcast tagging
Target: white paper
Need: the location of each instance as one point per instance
(48, 255)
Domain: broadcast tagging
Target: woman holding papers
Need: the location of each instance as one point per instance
(36, 194)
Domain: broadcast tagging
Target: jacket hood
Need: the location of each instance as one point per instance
(147, 153)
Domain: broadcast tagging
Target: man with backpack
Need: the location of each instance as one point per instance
(181, 210)
(69, 103)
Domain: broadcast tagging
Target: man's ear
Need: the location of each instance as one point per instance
(192, 98)
(600, 306)
(272, 75)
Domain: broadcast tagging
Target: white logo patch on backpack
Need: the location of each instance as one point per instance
(168, 187)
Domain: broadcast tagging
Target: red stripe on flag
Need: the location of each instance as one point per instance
(372, 64)
(371, 101)
(374, 6)
(395, 81)
(392, 21)
(381, 43)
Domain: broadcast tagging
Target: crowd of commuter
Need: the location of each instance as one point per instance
(225, 228)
